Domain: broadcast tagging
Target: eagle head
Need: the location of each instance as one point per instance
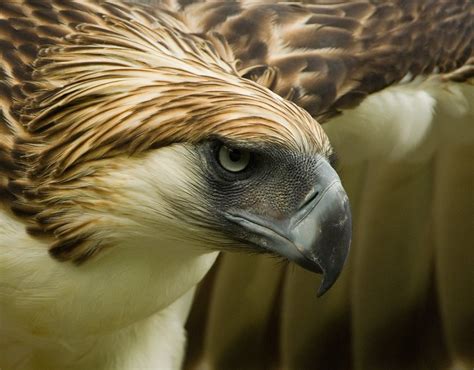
(149, 138)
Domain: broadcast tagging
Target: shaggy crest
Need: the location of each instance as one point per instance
(122, 89)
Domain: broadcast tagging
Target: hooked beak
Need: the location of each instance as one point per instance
(317, 236)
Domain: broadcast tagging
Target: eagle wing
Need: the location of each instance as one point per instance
(392, 83)
(330, 55)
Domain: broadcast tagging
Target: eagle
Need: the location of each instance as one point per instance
(132, 151)
(138, 141)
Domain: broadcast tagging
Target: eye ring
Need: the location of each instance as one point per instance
(233, 160)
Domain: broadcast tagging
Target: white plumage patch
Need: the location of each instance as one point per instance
(397, 123)
(39, 307)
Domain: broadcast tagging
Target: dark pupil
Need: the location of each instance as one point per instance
(235, 155)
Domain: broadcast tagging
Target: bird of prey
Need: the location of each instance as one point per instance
(132, 150)
(137, 140)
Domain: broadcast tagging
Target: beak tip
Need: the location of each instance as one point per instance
(326, 284)
(322, 290)
(334, 266)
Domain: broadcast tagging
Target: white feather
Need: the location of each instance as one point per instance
(397, 122)
(55, 315)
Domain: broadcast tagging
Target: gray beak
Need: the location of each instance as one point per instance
(317, 236)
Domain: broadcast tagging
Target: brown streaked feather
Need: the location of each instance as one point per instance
(26, 27)
(56, 76)
(84, 83)
(329, 55)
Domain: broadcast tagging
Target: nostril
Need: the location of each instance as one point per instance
(310, 198)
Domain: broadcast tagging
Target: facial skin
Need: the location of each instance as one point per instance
(270, 199)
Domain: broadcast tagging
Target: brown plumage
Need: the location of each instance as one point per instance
(329, 55)
(96, 81)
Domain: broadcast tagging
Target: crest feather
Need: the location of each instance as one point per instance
(120, 88)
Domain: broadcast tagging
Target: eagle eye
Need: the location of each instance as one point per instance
(232, 159)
